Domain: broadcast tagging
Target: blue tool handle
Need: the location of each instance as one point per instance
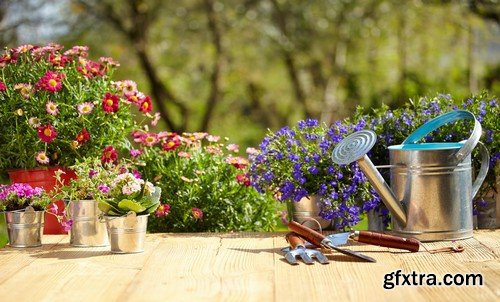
(446, 118)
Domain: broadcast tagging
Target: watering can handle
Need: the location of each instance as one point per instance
(485, 163)
(446, 118)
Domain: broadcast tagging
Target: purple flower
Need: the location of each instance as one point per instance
(137, 174)
(135, 152)
(67, 224)
(92, 173)
(103, 188)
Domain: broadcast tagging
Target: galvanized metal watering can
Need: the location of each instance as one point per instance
(431, 183)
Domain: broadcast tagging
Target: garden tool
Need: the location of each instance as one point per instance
(375, 238)
(432, 189)
(297, 248)
(319, 239)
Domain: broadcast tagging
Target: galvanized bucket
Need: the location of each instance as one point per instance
(25, 228)
(87, 229)
(127, 234)
(434, 182)
(306, 212)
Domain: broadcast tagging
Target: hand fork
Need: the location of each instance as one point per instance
(297, 248)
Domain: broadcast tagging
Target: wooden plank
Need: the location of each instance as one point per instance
(210, 268)
(240, 267)
(13, 260)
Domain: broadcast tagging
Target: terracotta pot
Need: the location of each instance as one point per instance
(44, 178)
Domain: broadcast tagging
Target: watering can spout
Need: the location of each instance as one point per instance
(385, 192)
(354, 148)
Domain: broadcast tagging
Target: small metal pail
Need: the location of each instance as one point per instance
(25, 228)
(434, 182)
(306, 212)
(127, 234)
(87, 230)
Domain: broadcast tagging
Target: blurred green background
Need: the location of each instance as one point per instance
(238, 68)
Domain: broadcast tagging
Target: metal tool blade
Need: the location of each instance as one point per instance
(358, 255)
(339, 238)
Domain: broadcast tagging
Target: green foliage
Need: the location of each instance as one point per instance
(203, 187)
(55, 106)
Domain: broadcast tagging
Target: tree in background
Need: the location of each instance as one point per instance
(237, 68)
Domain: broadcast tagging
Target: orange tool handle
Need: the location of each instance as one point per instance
(307, 233)
(295, 240)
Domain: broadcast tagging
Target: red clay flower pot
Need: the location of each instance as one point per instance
(44, 178)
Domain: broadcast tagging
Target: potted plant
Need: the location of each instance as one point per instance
(81, 196)
(204, 181)
(57, 106)
(130, 201)
(294, 164)
(24, 208)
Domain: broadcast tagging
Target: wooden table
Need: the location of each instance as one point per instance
(238, 267)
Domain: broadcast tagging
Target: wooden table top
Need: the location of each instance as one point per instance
(241, 267)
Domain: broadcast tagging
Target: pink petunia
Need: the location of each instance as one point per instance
(135, 152)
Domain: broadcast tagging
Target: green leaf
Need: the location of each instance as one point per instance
(130, 205)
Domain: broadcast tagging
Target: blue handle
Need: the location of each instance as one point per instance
(446, 118)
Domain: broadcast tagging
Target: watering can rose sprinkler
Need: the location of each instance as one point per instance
(431, 191)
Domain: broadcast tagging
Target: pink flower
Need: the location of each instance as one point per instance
(243, 179)
(3, 87)
(146, 105)
(162, 210)
(85, 108)
(51, 108)
(252, 151)
(135, 152)
(172, 144)
(53, 208)
(50, 81)
(47, 133)
(213, 138)
(149, 139)
(67, 224)
(136, 174)
(34, 122)
(184, 154)
(42, 158)
(83, 137)
(237, 162)
(233, 147)
(127, 87)
(109, 155)
(156, 119)
(103, 188)
(197, 213)
(110, 103)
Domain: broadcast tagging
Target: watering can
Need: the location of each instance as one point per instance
(431, 191)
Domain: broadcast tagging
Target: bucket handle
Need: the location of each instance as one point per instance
(446, 118)
(485, 163)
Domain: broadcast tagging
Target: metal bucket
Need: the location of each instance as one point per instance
(306, 212)
(127, 234)
(25, 228)
(87, 229)
(434, 182)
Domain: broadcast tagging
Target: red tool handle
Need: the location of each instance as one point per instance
(295, 240)
(380, 239)
(307, 233)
